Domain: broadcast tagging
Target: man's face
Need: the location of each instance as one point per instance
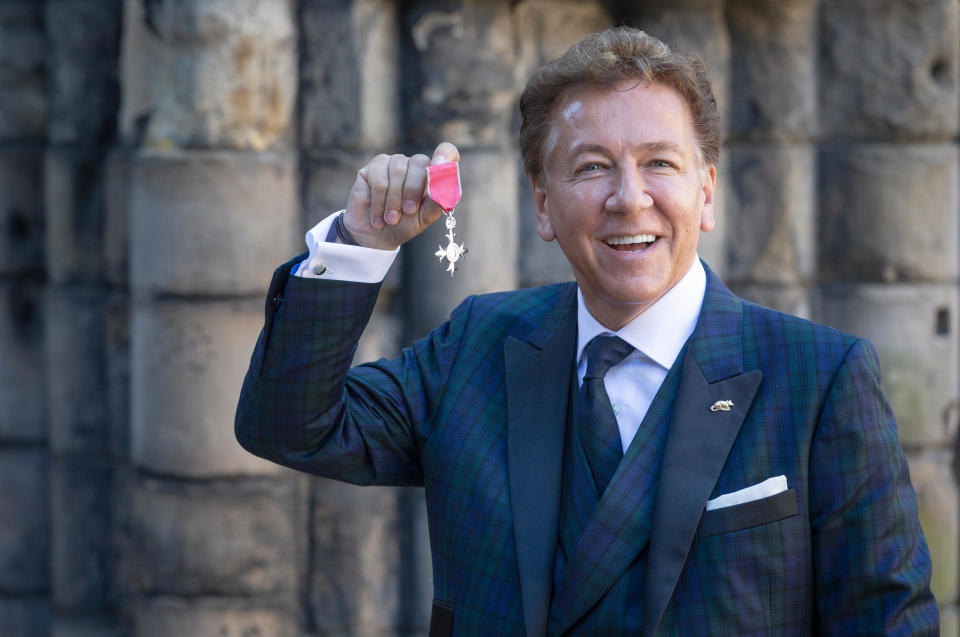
(624, 193)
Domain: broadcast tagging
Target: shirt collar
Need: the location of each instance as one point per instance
(662, 329)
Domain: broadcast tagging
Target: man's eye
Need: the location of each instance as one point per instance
(591, 167)
(662, 163)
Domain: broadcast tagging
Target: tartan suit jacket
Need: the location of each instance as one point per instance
(475, 413)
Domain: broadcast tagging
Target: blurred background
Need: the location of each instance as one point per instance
(158, 158)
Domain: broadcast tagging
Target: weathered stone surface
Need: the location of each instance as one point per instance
(939, 514)
(84, 43)
(545, 29)
(486, 225)
(73, 189)
(23, 59)
(889, 69)
(80, 500)
(76, 364)
(363, 581)
(24, 521)
(539, 262)
(349, 74)
(222, 538)
(888, 212)
(785, 298)
(773, 69)
(21, 210)
(914, 329)
(210, 74)
(188, 363)
(949, 620)
(22, 365)
(462, 73)
(25, 616)
(211, 223)
(116, 225)
(327, 178)
(696, 26)
(770, 214)
(117, 343)
(87, 626)
(164, 617)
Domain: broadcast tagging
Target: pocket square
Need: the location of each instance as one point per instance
(765, 489)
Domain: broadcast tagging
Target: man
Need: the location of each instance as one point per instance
(716, 468)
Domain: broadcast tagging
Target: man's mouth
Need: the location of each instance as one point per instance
(631, 243)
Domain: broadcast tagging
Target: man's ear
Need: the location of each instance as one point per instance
(544, 227)
(707, 219)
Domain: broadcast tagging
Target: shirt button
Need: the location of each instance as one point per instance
(320, 269)
(616, 410)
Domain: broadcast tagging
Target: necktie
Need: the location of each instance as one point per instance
(596, 423)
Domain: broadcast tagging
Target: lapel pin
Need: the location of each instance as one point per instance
(721, 405)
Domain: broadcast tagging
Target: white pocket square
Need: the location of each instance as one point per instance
(765, 489)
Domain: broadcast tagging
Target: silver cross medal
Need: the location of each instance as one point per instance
(443, 187)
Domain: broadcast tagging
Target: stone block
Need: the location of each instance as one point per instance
(116, 223)
(773, 69)
(188, 360)
(117, 341)
(914, 329)
(83, 41)
(21, 210)
(25, 616)
(163, 617)
(328, 176)
(76, 364)
(949, 620)
(937, 499)
(23, 74)
(73, 196)
(211, 223)
(223, 538)
(794, 300)
(545, 29)
(360, 571)
(210, 74)
(539, 262)
(888, 212)
(87, 626)
(486, 225)
(349, 74)
(694, 26)
(462, 62)
(24, 521)
(770, 214)
(80, 505)
(888, 69)
(23, 383)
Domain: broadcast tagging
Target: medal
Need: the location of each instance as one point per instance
(443, 187)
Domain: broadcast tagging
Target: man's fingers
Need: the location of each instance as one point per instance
(445, 152)
(396, 175)
(377, 175)
(415, 186)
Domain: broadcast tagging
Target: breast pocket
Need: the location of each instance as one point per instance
(748, 514)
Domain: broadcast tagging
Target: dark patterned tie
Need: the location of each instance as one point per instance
(597, 425)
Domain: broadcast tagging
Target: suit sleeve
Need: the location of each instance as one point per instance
(872, 565)
(303, 407)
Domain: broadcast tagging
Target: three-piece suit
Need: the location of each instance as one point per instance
(476, 413)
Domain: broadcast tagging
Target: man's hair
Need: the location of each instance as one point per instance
(606, 59)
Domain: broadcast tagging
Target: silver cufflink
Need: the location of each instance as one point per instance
(320, 269)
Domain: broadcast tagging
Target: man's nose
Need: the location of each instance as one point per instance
(631, 192)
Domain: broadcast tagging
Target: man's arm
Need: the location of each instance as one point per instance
(871, 563)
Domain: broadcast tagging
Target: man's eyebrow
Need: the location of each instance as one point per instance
(650, 147)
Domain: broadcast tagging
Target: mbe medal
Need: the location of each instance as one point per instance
(443, 187)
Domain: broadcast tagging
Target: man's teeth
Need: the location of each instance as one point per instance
(637, 238)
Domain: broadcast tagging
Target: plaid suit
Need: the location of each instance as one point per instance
(475, 413)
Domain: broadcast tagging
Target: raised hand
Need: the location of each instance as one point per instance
(387, 205)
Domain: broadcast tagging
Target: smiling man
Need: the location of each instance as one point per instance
(638, 452)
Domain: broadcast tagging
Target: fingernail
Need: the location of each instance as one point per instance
(441, 159)
(409, 206)
(392, 217)
(378, 223)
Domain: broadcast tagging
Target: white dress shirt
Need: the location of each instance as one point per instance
(658, 334)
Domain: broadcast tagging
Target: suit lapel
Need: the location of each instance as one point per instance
(699, 440)
(537, 380)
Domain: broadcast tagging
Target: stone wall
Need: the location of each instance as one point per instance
(159, 157)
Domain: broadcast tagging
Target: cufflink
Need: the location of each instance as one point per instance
(320, 269)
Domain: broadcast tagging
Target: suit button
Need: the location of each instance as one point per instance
(277, 300)
(320, 269)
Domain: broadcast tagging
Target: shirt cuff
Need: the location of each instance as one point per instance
(341, 262)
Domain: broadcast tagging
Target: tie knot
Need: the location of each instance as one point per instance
(603, 352)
